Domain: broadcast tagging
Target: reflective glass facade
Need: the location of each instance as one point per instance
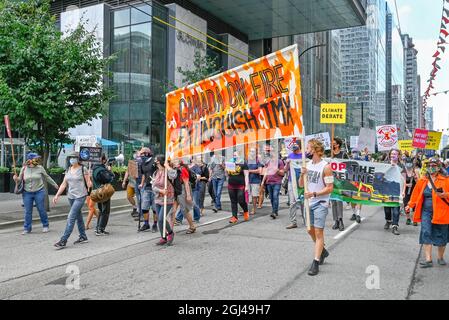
(136, 114)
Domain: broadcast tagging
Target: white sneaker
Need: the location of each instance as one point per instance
(348, 206)
(24, 232)
(45, 230)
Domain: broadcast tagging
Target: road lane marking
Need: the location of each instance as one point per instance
(352, 226)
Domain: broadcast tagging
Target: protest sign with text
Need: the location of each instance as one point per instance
(323, 137)
(333, 113)
(387, 137)
(420, 138)
(260, 100)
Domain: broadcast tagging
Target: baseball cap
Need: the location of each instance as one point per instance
(434, 160)
(32, 155)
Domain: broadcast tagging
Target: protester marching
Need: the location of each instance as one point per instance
(311, 174)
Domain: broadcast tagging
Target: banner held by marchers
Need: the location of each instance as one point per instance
(257, 101)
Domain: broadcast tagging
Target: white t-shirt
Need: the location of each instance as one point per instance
(315, 178)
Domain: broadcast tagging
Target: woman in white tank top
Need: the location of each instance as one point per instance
(320, 183)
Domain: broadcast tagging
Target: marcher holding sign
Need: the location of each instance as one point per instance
(320, 185)
(337, 206)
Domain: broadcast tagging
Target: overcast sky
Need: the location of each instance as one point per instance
(421, 19)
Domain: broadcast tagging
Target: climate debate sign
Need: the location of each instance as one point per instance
(260, 100)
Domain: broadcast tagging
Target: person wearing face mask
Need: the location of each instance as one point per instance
(238, 184)
(411, 178)
(320, 182)
(392, 214)
(273, 180)
(430, 198)
(356, 208)
(77, 180)
(101, 174)
(255, 179)
(33, 175)
(337, 206)
(129, 182)
(147, 168)
(293, 167)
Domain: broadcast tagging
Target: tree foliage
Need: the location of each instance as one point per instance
(49, 82)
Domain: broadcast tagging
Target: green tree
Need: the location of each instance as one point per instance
(49, 82)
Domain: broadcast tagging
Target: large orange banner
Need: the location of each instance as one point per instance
(259, 100)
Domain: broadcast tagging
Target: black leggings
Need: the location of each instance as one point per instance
(237, 197)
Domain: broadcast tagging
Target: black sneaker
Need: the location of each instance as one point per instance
(60, 244)
(134, 213)
(358, 219)
(415, 224)
(214, 210)
(273, 216)
(387, 225)
(336, 225)
(98, 233)
(395, 230)
(314, 268)
(324, 255)
(409, 222)
(145, 227)
(341, 227)
(353, 217)
(154, 228)
(81, 240)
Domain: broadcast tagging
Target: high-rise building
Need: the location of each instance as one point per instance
(411, 83)
(363, 67)
(152, 39)
(428, 117)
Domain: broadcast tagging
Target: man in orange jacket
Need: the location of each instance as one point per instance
(430, 200)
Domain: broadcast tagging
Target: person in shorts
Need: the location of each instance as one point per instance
(320, 184)
(255, 178)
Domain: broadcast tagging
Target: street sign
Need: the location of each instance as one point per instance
(90, 154)
(333, 113)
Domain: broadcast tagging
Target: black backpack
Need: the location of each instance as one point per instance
(103, 175)
(192, 178)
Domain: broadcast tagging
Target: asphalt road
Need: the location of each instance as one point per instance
(258, 259)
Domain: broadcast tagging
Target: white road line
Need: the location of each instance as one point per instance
(352, 226)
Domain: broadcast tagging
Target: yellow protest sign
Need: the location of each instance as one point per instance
(406, 145)
(433, 140)
(333, 113)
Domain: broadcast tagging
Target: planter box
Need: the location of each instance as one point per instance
(5, 182)
(117, 183)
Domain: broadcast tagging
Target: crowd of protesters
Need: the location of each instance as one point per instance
(250, 177)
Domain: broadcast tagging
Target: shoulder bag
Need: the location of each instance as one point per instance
(436, 189)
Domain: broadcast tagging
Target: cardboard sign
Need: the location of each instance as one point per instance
(8, 127)
(257, 101)
(387, 137)
(433, 140)
(90, 154)
(420, 138)
(132, 169)
(333, 113)
(323, 137)
(353, 142)
(85, 141)
(406, 145)
(288, 142)
(367, 139)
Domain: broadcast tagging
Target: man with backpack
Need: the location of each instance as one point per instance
(147, 168)
(183, 191)
(101, 175)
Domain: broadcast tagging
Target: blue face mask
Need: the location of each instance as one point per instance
(73, 161)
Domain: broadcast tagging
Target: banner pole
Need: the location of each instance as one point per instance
(8, 130)
(332, 139)
(306, 201)
(165, 198)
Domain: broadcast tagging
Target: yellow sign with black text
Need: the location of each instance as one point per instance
(433, 140)
(333, 113)
(406, 145)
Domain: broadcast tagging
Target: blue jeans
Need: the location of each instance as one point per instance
(389, 211)
(160, 219)
(274, 191)
(218, 187)
(75, 215)
(196, 205)
(39, 198)
(180, 215)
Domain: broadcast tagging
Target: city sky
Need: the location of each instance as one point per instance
(421, 19)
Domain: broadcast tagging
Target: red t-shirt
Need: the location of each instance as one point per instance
(184, 174)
